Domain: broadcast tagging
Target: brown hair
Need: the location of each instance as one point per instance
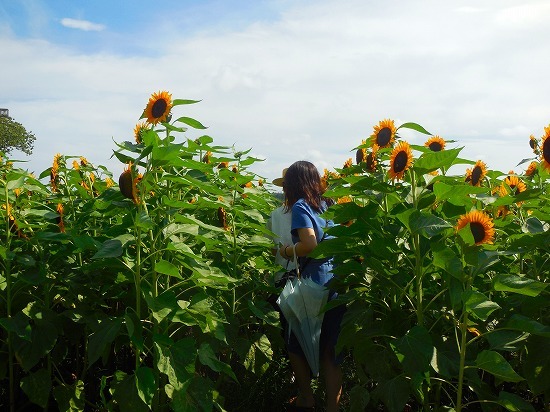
(302, 180)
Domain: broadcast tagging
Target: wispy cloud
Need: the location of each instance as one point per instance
(82, 24)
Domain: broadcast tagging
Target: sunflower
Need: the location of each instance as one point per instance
(400, 160)
(76, 165)
(515, 184)
(206, 157)
(534, 144)
(109, 182)
(223, 165)
(481, 226)
(477, 174)
(128, 185)
(158, 108)
(384, 133)
(60, 222)
(371, 160)
(83, 161)
(54, 175)
(138, 131)
(222, 218)
(531, 169)
(361, 154)
(545, 149)
(435, 143)
(347, 164)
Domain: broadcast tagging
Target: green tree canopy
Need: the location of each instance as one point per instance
(14, 136)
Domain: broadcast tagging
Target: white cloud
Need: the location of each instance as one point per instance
(82, 24)
(309, 86)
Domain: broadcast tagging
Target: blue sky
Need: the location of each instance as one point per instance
(290, 79)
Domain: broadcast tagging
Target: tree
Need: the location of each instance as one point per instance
(14, 136)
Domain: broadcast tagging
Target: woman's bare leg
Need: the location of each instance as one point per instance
(303, 379)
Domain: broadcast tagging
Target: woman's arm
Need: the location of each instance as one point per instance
(303, 247)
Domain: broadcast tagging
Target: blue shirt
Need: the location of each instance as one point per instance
(304, 217)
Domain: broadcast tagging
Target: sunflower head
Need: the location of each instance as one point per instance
(361, 154)
(138, 131)
(400, 160)
(347, 164)
(384, 133)
(435, 143)
(475, 175)
(158, 108)
(534, 144)
(109, 182)
(515, 184)
(128, 184)
(223, 165)
(532, 168)
(222, 218)
(206, 157)
(545, 149)
(480, 224)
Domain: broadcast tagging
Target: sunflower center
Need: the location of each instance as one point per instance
(478, 231)
(546, 150)
(476, 175)
(384, 137)
(400, 162)
(435, 146)
(158, 108)
(370, 161)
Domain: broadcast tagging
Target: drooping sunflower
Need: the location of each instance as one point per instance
(109, 182)
(534, 144)
(384, 133)
(435, 143)
(128, 184)
(361, 154)
(54, 172)
(400, 160)
(481, 226)
(371, 160)
(475, 175)
(531, 169)
(545, 149)
(158, 108)
(76, 165)
(60, 221)
(138, 131)
(206, 157)
(222, 218)
(347, 164)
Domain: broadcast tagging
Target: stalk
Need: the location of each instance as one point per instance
(8, 300)
(463, 331)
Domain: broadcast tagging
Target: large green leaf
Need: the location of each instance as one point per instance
(208, 358)
(430, 161)
(514, 403)
(414, 126)
(106, 332)
(445, 258)
(146, 384)
(176, 359)
(536, 365)
(525, 324)
(113, 247)
(125, 393)
(394, 393)
(518, 284)
(37, 386)
(415, 350)
(167, 268)
(70, 398)
(478, 304)
(494, 363)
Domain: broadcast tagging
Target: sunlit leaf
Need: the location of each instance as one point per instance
(494, 363)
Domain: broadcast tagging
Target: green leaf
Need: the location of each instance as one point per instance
(125, 393)
(430, 161)
(191, 122)
(523, 323)
(146, 384)
(536, 365)
(178, 102)
(518, 284)
(37, 385)
(394, 393)
(176, 359)
(414, 126)
(495, 364)
(105, 334)
(208, 358)
(359, 398)
(445, 258)
(514, 403)
(167, 268)
(478, 304)
(415, 350)
(70, 398)
(113, 247)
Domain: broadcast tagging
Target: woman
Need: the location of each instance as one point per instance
(303, 191)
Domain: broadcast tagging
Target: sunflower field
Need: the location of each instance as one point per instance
(148, 292)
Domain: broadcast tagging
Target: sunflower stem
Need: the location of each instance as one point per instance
(9, 297)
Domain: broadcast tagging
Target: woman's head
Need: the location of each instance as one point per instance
(302, 180)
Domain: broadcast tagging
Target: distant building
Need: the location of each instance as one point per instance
(4, 112)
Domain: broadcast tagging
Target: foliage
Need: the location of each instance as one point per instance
(152, 295)
(13, 135)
